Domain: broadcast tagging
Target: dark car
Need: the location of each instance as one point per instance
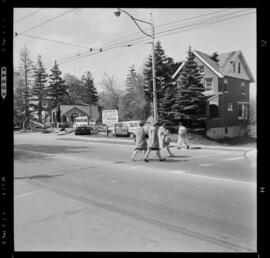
(83, 130)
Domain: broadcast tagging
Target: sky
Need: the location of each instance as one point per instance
(66, 35)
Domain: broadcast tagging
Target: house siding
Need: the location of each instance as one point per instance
(208, 73)
(234, 95)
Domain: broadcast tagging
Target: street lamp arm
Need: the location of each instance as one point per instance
(135, 21)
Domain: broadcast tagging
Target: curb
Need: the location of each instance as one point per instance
(251, 156)
(131, 142)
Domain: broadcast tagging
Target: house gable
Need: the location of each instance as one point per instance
(233, 64)
(75, 110)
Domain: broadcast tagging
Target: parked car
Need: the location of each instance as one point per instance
(82, 126)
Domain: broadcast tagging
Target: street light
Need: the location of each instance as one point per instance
(117, 14)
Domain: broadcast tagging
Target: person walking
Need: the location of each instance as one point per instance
(141, 144)
(182, 136)
(164, 139)
(153, 142)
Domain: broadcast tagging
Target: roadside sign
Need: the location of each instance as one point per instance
(110, 117)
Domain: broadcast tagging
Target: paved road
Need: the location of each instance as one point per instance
(85, 196)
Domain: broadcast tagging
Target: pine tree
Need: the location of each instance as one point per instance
(163, 68)
(26, 71)
(167, 102)
(190, 101)
(39, 91)
(89, 94)
(57, 88)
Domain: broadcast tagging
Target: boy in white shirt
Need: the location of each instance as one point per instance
(182, 137)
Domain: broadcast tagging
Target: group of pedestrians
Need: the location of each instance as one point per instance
(157, 139)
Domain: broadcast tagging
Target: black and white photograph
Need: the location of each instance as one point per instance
(134, 129)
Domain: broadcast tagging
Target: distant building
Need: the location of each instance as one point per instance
(226, 83)
(70, 112)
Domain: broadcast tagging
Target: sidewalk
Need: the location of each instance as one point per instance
(252, 157)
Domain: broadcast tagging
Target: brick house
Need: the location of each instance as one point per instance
(70, 112)
(226, 85)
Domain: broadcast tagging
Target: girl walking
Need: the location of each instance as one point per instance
(141, 144)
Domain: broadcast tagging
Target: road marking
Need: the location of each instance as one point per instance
(183, 173)
(134, 167)
(232, 159)
(177, 172)
(210, 155)
(24, 194)
(113, 181)
(207, 164)
(35, 152)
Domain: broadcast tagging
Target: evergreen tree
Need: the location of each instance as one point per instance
(57, 89)
(167, 102)
(26, 71)
(190, 101)
(133, 102)
(75, 88)
(39, 100)
(163, 69)
(89, 94)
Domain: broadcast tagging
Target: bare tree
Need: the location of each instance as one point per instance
(111, 94)
(26, 70)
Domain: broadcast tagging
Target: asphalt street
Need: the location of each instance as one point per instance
(89, 196)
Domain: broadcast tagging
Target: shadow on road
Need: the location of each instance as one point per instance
(28, 151)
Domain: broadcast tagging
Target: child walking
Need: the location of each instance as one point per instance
(182, 137)
(153, 142)
(141, 144)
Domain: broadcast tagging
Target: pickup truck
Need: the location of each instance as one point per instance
(82, 125)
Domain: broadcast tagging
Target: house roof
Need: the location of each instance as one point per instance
(177, 68)
(221, 68)
(66, 108)
(214, 66)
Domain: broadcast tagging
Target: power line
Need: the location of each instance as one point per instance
(27, 16)
(32, 28)
(109, 42)
(188, 27)
(89, 54)
(198, 25)
(51, 40)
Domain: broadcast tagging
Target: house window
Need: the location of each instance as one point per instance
(233, 65)
(226, 130)
(225, 87)
(243, 88)
(242, 111)
(201, 68)
(239, 67)
(229, 107)
(208, 84)
(213, 111)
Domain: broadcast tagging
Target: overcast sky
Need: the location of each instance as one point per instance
(78, 30)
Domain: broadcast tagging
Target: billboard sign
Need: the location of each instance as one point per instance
(110, 117)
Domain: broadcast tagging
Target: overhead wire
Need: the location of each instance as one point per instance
(186, 28)
(159, 33)
(34, 27)
(27, 16)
